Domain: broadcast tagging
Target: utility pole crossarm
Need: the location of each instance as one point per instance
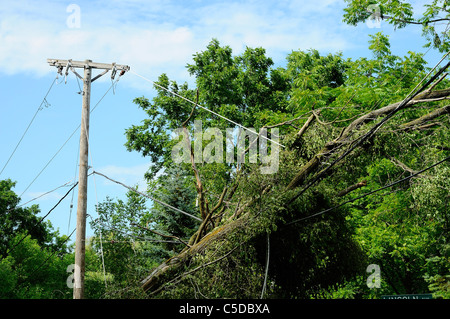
(82, 64)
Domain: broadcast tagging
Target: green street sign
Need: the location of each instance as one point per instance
(418, 296)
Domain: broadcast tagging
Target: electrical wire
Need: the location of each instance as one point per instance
(37, 197)
(145, 239)
(266, 273)
(377, 126)
(148, 196)
(73, 192)
(370, 193)
(44, 100)
(203, 107)
(64, 144)
(378, 103)
(45, 216)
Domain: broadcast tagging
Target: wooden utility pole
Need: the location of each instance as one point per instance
(80, 241)
(78, 288)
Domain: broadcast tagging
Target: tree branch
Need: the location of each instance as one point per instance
(199, 185)
(192, 112)
(196, 269)
(163, 235)
(334, 145)
(414, 22)
(208, 217)
(352, 188)
(239, 220)
(305, 126)
(425, 118)
(403, 166)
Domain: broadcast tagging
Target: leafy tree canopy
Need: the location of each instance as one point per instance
(434, 17)
(315, 101)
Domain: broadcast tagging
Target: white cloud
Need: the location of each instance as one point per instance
(160, 36)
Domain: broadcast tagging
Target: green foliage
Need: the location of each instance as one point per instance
(14, 219)
(119, 249)
(236, 276)
(434, 19)
(242, 88)
(311, 71)
(33, 272)
(402, 228)
(176, 189)
(34, 257)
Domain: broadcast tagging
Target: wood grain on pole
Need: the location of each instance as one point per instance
(78, 290)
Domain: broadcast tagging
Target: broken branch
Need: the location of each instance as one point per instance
(425, 118)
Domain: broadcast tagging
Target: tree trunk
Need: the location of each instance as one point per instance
(170, 267)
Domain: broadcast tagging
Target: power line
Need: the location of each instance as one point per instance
(46, 260)
(148, 196)
(145, 239)
(267, 266)
(404, 73)
(44, 101)
(48, 163)
(74, 185)
(44, 194)
(73, 192)
(377, 126)
(45, 216)
(64, 144)
(370, 193)
(203, 107)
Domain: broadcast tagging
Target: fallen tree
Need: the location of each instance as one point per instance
(222, 221)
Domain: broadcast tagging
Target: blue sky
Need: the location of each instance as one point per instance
(152, 37)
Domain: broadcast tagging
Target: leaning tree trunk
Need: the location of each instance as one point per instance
(172, 267)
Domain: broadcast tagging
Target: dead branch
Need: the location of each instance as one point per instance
(199, 186)
(148, 196)
(286, 122)
(236, 210)
(305, 126)
(192, 112)
(241, 209)
(404, 167)
(224, 192)
(432, 86)
(203, 206)
(172, 265)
